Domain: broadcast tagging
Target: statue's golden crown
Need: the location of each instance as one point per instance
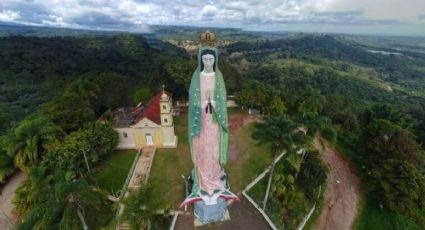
(207, 38)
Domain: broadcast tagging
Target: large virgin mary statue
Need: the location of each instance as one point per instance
(208, 132)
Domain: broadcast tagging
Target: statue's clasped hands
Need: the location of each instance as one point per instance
(209, 107)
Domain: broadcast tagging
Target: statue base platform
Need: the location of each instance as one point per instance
(197, 222)
(205, 214)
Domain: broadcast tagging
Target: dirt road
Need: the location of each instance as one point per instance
(6, 206)
(343, 190)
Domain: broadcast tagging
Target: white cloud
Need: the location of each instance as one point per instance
(135, 15)
(9, 15)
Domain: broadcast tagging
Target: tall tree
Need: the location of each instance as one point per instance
(383, 140)
(387, 112)
(274, 106)
(313, 174)
(142, 95)
(311, 101)
(315, 124)
(30, 140)
(70, 111)
(25, 194)
(400, 186)
(85, 88)
(142, 209)
(63, 204)
(95, 140)
(280, 133)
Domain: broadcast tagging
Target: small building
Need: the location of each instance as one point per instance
(147, 125)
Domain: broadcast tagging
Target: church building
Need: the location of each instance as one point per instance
(147, 125)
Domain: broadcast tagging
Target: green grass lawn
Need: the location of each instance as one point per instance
(258, 191)
(252, 161)
(168, 166)
(112, 172)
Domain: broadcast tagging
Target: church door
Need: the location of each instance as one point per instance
(149, 140)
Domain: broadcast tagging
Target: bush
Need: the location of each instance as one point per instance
(329, 134)
(313, 174)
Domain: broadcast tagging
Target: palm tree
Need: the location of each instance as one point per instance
(62, 204)
(280, 133)
(313, 122)
(25, 194)
(27, 142)
(142, 209)
(312, 101)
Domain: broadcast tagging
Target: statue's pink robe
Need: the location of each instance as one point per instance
(206, 146)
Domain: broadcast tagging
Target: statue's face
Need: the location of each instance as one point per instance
(208, 61)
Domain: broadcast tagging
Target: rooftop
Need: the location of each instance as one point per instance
(127, 116)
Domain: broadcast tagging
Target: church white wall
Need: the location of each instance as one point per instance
(126, 138)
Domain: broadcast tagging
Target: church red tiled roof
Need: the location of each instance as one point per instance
(152, 111)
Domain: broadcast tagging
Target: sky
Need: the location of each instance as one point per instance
(377, 17)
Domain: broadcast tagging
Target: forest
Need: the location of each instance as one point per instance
(374, 102)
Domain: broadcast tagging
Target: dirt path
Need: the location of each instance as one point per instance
(235, 122)
(342, 193)
(6, 206)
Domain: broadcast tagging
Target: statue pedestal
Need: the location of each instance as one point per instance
(206, 214)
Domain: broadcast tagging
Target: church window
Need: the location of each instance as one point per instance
(165, 120)
(125, 134)
(164, 107)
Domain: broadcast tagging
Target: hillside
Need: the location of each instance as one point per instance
(35, 70)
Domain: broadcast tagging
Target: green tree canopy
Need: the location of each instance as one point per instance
(311, 100)
(142, 95)
(383, 140)
(142, 209)
(281, 133)
(399, 186)
(64, 203)
(30, 140)
(313, 174)
(70, 111)
(387, 112)
(95, 139)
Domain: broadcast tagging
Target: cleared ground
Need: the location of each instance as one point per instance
(343, 191)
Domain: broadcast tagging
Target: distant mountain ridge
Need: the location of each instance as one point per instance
(337, 49)
(38, 31)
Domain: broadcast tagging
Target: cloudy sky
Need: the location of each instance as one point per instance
(396, 17)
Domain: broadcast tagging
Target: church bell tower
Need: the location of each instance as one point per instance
(167, 123)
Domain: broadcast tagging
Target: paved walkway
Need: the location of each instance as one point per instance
(6, 205)
(140, 176)
(143, 167)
